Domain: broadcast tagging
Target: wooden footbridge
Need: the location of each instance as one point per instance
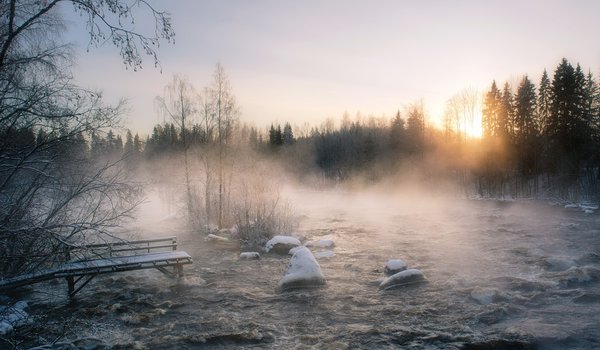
(108, 258)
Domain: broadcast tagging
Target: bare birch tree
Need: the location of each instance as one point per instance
(51, 193)
(179, 103)
(225, 112)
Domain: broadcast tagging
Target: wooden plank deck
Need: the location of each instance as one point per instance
(83, 271)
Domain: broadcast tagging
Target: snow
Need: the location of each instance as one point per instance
(303, 271)
(394, 266)
(402, 278)
(214, 238)
(298, 235)
(286, 241)
(13, 316)
(250, 255)
(324, 254)
(126, 260)
(587, 208)
(293, 250)
(322, 243)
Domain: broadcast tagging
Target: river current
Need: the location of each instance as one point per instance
(512, 275)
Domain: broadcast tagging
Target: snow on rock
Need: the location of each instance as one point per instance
(293, 250)
(484, 296)
(281, 244)
(13, 316)
(406, 277)
(214, 238)
(301, 237)
(303, 271)
(393, 266)
(585, 207)
(326, 254)
(322, 243)
(250, 256)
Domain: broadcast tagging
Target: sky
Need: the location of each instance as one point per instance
(305, 61)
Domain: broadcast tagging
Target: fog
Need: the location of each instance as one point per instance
(500, 274)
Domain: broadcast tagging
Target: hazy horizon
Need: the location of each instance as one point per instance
(312, 61)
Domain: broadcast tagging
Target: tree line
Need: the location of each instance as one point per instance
(544, 139)
(537, 141)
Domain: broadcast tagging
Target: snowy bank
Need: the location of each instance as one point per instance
(303, 271)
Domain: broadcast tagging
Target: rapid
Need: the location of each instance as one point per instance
(513, 275)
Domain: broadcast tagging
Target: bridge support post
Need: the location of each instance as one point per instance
(71, 286)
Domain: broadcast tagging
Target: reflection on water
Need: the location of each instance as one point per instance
(501, 275)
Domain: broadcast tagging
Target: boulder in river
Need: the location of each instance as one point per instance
(215, 238)
(281, 244)
(393, 266)
(403, 278)
(322, 243)
(250, 256)
(325, 254)
(303, 271)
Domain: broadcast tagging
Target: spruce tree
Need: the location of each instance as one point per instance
(504, 126)
(128, 147)
(491, 112)
(544, 103)
(288, 134)
(524, 111)
(525, 130)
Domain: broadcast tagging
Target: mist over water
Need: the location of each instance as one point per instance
(499, 275)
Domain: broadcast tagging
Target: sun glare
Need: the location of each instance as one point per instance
(475, 129)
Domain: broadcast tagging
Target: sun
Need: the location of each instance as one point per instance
(475, 131)
(473, 128)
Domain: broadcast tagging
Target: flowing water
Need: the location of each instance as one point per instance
(499, 275)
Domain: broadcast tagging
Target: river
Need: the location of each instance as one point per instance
(513, 275)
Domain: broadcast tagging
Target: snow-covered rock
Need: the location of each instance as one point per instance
(406, 277)
(301, 237)
(214, 238)
(393, 266)
(293, 250)
(303, 271)
(281, 244)
(250, 255)
(326, 254)
(322, 243)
